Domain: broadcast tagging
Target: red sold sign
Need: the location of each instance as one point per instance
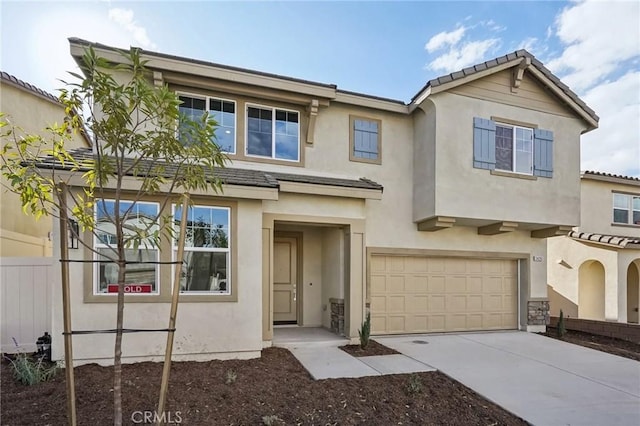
(130, 288)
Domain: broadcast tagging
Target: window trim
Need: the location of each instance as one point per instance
(207, 99)
(273, 109)
(513, 149)
(352, 157)
(98, 245)
(629, 209)
(228, 250)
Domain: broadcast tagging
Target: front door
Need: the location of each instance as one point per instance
(285, 280)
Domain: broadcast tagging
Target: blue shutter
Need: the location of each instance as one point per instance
(484, 144)
(543, 153)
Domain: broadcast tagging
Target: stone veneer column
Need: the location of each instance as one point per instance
(538, 312)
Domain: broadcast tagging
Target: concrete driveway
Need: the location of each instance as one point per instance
(544, 381)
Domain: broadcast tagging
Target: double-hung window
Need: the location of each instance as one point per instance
(138, 219)
(206, 265)
(222, 111)
(365, 140)
(626, 209)
(273, 133)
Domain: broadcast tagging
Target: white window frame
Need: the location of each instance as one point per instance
(97, 244)
(629, 208)
(207, 99)
(514, 151)
(174, 250)
(273, 131)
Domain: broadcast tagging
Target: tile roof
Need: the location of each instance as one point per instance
(501, 60)
(5, 76)
(228, 175)
(610, 175)
(612, 240)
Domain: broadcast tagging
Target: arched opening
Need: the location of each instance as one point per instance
(591, 290)
(633, 292)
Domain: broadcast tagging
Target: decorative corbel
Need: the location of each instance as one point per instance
(312, 109)
(158, 80)
(518, 73)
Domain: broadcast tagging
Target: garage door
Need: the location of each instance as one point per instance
(417, 294)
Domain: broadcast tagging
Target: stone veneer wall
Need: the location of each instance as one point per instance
(538, 312)
(337, 316)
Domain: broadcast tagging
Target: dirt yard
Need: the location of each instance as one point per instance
(244, 392)
(605, 344)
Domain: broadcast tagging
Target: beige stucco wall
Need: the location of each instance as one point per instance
(20, 234)
(466, 192)
(597, 207)
(203, 329)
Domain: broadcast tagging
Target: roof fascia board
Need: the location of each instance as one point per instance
(558, 92)
(329, 190)
(364, 101)
(475, 76)
(210, 71)
(610, 179)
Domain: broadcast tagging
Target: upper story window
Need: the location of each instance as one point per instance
(626, 209)
(364, 140)
(513, 148)
(142, 273)
(223, 111)
(273, 133)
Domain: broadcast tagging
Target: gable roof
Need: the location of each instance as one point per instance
(503, 62)
(23, 85)
(227, 175)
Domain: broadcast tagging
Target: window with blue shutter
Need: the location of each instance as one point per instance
(513, 148)
(484, 144)
(543, 153)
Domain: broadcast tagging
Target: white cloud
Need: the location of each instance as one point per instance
(614, 147)
(598, 36)
(125, 18)
(444, 39)
(464, 55)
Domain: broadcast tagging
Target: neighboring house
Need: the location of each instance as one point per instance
(593, 272)
(31, 109)
(434, 214)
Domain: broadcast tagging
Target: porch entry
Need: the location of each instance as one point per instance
(285, 280)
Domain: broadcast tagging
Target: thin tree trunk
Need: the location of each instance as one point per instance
(117, 358)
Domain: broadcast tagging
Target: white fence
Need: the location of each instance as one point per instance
(26, 286)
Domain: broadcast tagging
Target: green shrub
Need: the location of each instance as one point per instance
(31, 372)
(561, 328)
(231, 376)
(272, 420)
(414, 386)
(364, 331)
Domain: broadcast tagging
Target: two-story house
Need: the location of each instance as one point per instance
(593, 273)
(432, 214)
(32, 110)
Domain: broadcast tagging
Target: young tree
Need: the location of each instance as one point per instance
(138, 149)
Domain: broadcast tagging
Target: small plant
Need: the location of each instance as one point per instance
(231, 377)
(561, 328)
(364, 332)
(414, 386)
(272, 420)
(31, 372)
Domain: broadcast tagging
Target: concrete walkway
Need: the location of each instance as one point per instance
(544, 381)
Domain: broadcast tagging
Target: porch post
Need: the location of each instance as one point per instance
(267, 279)
(355, 292)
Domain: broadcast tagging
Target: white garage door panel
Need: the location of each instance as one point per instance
(417, 294)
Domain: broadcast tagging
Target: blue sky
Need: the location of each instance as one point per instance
(387, 49)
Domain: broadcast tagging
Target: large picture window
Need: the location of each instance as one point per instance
(140, 278)
(223, 111)
(273, 133)
(207, 257)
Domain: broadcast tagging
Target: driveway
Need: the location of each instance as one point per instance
(544, 381)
